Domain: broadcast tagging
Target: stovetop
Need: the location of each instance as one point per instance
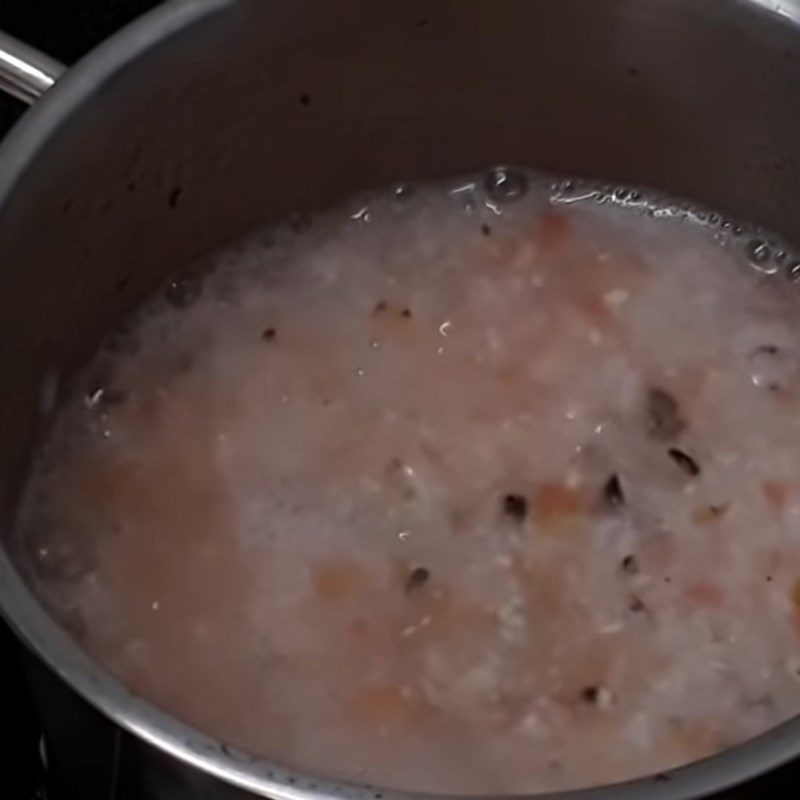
(66, 30)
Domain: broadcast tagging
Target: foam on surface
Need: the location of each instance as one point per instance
(477, 487)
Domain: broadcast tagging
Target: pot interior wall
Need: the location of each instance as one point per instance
(266, 108)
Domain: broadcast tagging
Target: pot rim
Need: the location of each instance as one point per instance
(18, 153)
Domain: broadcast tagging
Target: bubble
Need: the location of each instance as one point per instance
(465, 194)
(758, 251)
(771, 367)
(363, 214)
(403, 192)
(665, 212)
(571, 191)
(505, 185)
(793, 270)
(93, 397)
(759, 254)
(98, 397)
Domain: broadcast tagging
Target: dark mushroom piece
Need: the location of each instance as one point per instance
(515, 507)
(630, 565)
(684, 461)
(417, 578)
(663, 418)
(613, 491)
(636, 605)
(590, 694)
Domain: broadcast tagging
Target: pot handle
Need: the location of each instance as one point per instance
(26, 73)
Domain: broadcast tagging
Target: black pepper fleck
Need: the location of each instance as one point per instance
(684, 461)
(636, 605)
(515, 506)
(630, 565)
(590, 694)
(613, 491)
(486, 229)
(417, 578)
(380, 307)
(305, 100)
(406, 313)
(268, 334)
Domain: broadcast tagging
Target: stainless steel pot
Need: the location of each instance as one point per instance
(209, 116)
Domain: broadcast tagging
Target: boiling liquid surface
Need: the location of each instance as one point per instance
(482, 487)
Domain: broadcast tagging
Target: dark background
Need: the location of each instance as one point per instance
(66, 29)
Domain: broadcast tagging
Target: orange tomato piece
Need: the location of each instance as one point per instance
(707, 515)
(380, 704)
(334, 582)
(593, 307)
(695, 740)
(555, 501)
(776, 493)
(385, 705)
(451, 616)
(705, 595)
(552, 230)
(795, 597)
